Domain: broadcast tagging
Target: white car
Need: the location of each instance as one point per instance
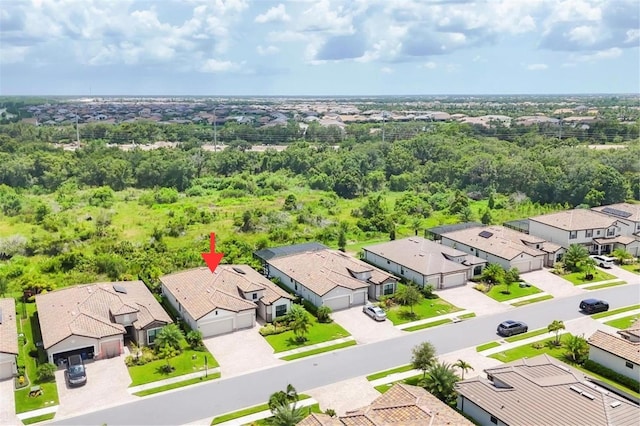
(603, 261)
(374, 312)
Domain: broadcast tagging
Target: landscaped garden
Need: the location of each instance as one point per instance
(579, 268)
(503, 285)
(504, 292)
(411, 303)
(583, 277)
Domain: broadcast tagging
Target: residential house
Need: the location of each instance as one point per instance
(326, 277)
(504, 246)
(401, 405)
(93, 320)
(225, 300)
(425, 262)
(541, 391)
(628, 218)
(618, 353)
(598, 232)
(8, 339)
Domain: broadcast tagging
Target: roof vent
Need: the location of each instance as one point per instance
(615, 404)
(486, 234)
(119, 289)
(588, 395)
(575, 389)
(238, 270)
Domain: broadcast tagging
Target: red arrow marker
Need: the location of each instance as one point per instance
(212, 259)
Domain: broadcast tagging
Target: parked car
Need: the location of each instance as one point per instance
(603, 261)
(375, 312)
(592, 306)
(76, 373)
(510, 328)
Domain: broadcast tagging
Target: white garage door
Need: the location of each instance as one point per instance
(6, 369)
(454, 280)
(527, 266)
(359, 298)
(245, 320)
(110, 349)
(214, 328)
(338, 303)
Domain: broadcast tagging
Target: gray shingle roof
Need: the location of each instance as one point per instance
(273, 252)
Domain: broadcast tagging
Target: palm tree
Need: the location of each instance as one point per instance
(286, 415)
(493, 274)
(463, 365)
(574, 256)
(577, 348)
(621, 255)
(440, 382)
(300, 327)
(555, 327)
(169, 335)
(408, 296)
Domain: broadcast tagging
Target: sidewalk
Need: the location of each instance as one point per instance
(36, 413)
(529, 297)
(257, 416)
(177, 379)
(454, 317)
(597, 283)
(311, 347)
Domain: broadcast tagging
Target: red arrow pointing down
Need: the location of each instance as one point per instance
(212, 259)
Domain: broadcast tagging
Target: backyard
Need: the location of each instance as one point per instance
(317, 333)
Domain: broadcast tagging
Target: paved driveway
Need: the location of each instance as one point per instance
(551, 283)
(363, 328)
(241, 352)
(466, 297)
(345, 395)
(7, 404)
(623, 274)
(107, 382)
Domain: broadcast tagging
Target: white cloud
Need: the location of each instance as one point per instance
(429, 65)
(13, 54)
(275, 14)
(584, 34)
(265, 51)
(632, 35)
(216, 66)
(537, 67)
(611, 53)
(386, 70)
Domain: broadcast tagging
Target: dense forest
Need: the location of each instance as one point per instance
(101, 213)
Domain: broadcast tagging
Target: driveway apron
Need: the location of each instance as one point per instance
(363, 328)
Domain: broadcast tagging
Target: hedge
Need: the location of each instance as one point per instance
(612, 375)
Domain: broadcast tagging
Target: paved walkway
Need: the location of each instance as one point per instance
(312, 347)
(551, 283)
(454, 316)
(36, 413)
(177, 379)
(523, 298)
(7, 404)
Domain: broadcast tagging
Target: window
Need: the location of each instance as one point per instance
(401, 271)
(388, 289)
(588, 233)
(151, 335)
(296, 286)
(281, 310)
(629, 364)
(254, 296)
(494, 420)
(611, 232)
(598, 232)
(388, 262)
(573, 235)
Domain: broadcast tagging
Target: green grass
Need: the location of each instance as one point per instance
(632, 267)
(615, 311)
(503, 293)
(467, 316)
(318, 333)
(385, 373)
(177, 385)
(526, 335)
(624, 322)
(37, 419)
(613, 284)
(247, 411)
(428, 325)
(319, 350)
(185, 363)
(534, 300)
(578, 278)
(486, 346)
(428, 308)
(413, 380)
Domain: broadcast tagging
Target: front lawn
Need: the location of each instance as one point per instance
(177, 385)
(578, 278)
(623, 323)
(318, 333)
(502, 292)
(428, 308)
(486, 346)
(632, 267)
(189, 361)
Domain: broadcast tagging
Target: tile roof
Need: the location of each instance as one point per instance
(501, 241)
(86, 310)
(323, 270)
(545, 391)
(633, 209)
(8, 327)
(615, 345)
(401, 405)
(200, 292)
(575, 220)
(424, 256)
(620, 239)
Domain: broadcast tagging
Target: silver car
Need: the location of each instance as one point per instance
(375, 312)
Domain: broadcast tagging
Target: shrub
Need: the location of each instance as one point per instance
(310, 307)
(165, 196)
(269, 329)
(46, 372)
(427, 292)
(481, 287)
(612, 375)
(323, 314)
(194, 339)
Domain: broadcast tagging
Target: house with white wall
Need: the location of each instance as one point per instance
(628, 217)
(619, 353)
(8, 339)
(225, 300)
(501, 245)
(424, 262)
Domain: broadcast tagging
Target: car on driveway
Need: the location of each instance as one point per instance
(76, 373)
(375, 312)
(592, 306)
(510, 328)
(603, 261)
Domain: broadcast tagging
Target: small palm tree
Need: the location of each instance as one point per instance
(463, 366)
(575, 255)
(555, 327)
(493, 274)
(577, 348)
(408, 296)
(300, 327)
(169, 335)
(621, 255)
(441, 381)
(286, 415)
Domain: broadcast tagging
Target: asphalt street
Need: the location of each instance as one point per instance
(189, 404)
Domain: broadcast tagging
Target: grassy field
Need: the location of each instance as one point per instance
(502, 292)
(38, 419)
(428, 308)
(534, 300)
(318, 333)
(319, 350)
(578, 278)
(624, 322)
(615, 311)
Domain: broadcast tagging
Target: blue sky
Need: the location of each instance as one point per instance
(318, 47)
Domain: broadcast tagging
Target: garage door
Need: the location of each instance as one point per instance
(109, 349)
(529, 265)
(359, 298)
(85, 353)
(214, 328)
(338, 303)
(454, 280)
(245, 320)
(6, 369)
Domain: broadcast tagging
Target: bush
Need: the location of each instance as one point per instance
(269, 329)
(481, 287)
(310, 307)
(427, 292)
(46, 372)
(165, 196)
(612, 375)
(194, 339)
(324, 314)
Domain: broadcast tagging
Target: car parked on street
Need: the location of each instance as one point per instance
(76, 373)
(375, 312)
(510, 328)
(603, 261)
(592, 306)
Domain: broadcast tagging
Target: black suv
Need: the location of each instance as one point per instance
(509, 328)
(591, 306)
(76, 374)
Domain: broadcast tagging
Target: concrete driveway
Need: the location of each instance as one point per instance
(363, 328)
(7, 404)
(551, 283)
(466, 297)
(345, 395)
(107, 383)
(241, 352)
